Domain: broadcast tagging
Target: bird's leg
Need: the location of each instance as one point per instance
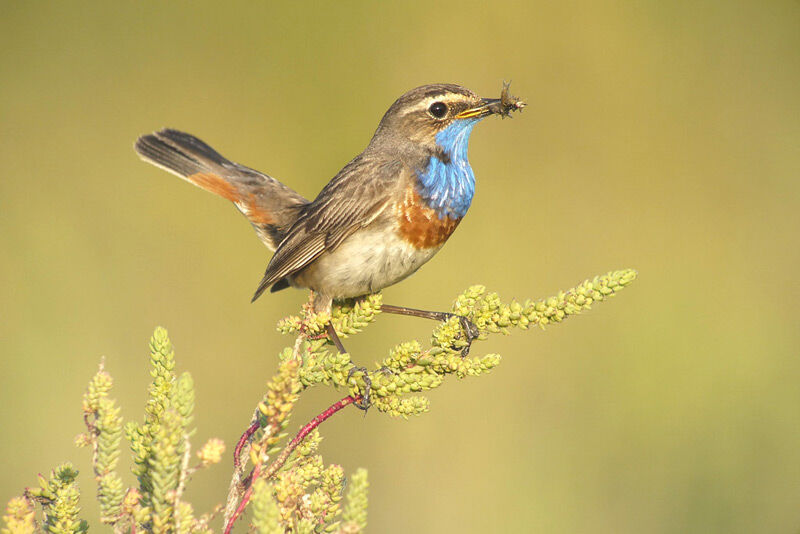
(365, 400)
(334, 337)
(471, 331)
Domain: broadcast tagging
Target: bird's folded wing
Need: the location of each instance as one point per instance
(361, 191)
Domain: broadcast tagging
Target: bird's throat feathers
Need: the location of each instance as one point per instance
(447, 184)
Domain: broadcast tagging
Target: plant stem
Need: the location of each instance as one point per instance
(287, 451)
(237, 462)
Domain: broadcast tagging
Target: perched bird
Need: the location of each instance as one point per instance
(385, 214)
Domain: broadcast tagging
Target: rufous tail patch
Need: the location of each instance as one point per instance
(215, 184)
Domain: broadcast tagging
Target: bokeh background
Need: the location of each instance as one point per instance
(663, 136)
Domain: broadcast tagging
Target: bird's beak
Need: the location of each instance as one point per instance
(487, 107)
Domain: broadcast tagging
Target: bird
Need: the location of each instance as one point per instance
(382, 216)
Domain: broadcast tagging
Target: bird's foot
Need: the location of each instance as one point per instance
(471, 333)
(385, 371)
(365, 401)
(366, 398)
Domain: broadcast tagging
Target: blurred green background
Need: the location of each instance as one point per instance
(663, 136)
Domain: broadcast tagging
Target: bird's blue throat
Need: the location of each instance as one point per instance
(447, 184)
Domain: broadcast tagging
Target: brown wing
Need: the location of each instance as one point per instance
(270, 206)
(353, 199)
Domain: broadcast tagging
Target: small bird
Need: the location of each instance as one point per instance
(384, 215)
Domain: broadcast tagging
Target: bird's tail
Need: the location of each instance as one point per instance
(270, 206)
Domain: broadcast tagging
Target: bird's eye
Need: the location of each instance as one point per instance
(438, 109)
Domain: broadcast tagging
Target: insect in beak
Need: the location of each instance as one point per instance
(502, 106)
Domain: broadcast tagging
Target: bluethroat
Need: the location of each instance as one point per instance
(385, 214)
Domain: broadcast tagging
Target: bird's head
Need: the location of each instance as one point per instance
(435, 118)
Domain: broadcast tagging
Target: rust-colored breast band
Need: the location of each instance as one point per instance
(421, 225)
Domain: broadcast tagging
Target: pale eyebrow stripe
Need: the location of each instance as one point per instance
(423, 105)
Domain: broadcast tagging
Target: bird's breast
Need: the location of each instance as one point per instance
(420, 225)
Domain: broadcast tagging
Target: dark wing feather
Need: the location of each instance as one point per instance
(353, 199)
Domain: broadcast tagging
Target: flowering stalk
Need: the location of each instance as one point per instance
(289, 486)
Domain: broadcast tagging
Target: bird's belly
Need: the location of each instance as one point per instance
(366, 262)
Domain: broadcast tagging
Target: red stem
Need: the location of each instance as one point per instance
(278, 463)
(237, 452)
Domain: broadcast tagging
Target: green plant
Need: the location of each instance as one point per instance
(289, 487)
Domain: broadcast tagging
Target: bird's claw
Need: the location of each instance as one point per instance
(471, 333)
(365, 401)
(386, 371)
